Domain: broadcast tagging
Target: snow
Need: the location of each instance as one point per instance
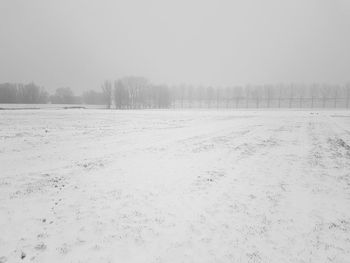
(174, 186)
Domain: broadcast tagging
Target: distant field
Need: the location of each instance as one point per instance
(174, 186)
(285, 106)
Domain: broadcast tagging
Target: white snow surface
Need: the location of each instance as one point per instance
(174, 186)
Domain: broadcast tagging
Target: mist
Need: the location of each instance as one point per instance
(174, 131)
(80, 44)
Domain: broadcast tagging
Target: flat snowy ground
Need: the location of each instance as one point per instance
(174, 186)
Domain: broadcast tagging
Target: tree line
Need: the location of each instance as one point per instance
(262, 96)
(139, 93)
(34, 94)
(136, 93)
(22, 93)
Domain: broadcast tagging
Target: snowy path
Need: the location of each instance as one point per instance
(186, 186)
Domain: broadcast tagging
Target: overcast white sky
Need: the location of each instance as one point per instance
(80, 43)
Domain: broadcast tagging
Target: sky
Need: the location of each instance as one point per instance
(79, 43)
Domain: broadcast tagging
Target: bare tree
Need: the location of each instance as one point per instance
(107, 93)
(64, 95)
(347, 95)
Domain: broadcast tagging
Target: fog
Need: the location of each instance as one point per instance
(175, 131)
(81, 43)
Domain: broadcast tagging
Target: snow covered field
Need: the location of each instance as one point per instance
(174, 186)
